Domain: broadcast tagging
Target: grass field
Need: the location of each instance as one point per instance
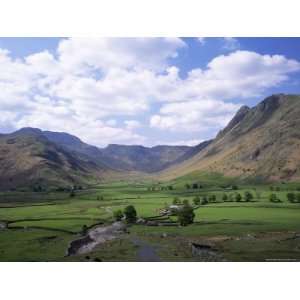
(41, 225)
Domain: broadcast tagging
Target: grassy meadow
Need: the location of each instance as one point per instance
(40, 225)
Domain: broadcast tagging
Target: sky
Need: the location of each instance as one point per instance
(146, 91)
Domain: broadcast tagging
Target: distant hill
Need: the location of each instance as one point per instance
(259, 143)
(31, 157)
(28, 159)
(122, 157)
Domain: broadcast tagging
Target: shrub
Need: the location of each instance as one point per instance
(224, 197)
(130, 214)
(273, 198)
(248, 196)
(185, 215)
(212, 198)
(291, 197)
(204, 200)
(196, 200)
(238, 197)
(195, 185)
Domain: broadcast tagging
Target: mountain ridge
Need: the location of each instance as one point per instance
(262, 142)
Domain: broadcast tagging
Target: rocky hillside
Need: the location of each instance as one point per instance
(123, 157)
(29, 159)
(262, 143)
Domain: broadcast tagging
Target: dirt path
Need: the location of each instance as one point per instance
(95, 237)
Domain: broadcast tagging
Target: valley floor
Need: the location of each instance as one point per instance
(41, 226)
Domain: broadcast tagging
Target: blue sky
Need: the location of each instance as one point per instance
(140, 91)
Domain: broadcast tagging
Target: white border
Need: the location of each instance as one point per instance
(149, 18)
(161, 280)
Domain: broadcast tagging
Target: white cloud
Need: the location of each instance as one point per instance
(106, 53)
(192, 142)
(201, 40)
(89, 83)
(201, 100)
(194, 116)
(230, 43)
(132, 124)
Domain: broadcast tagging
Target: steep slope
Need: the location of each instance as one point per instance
(28, 158)
(262, 143)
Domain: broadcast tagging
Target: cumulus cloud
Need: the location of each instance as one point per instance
(89, 85)
(230, 43)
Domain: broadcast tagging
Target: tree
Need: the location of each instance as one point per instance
(235, 187)
(238, 197)
(273, 198)
(187, 186)
(185, 215)
(72, 194)
(248, 196)
(118, 215)
(130, 214)
(170, 187)
(224, 197)
(298, 197)
(196, 200)
(204, 200)
(212, 198)
(195, 185)
(290, 197)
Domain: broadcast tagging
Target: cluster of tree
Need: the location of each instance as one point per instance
(161, 188)
(185, 215)
(129, 214)
(293, 198)
(194, 186)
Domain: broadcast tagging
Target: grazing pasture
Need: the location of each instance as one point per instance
(39, 226)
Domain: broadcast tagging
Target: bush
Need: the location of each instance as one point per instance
(187, 186)
(238, 197)
(195, 185)
(130, 214)
(298, 197)
(185, 215)
(204, 200)
(248, 196)
(225, 197)
(72, 194)
(235, 187)
(273, 198)
(212, 198)
(291, 197)
(196, 200)
(118, 215)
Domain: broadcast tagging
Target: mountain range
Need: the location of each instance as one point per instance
(261, 143)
